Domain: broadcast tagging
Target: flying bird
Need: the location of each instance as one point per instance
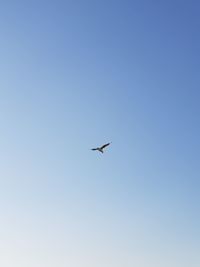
(101, 149)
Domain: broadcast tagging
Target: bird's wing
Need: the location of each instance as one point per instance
(94, 149)
(102, 147)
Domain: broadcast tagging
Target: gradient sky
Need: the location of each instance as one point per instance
(76, 74)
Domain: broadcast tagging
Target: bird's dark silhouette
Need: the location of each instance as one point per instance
(101, 148)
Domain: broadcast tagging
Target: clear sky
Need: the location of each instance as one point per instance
(77, 74)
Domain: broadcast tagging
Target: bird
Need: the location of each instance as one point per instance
(101, 148)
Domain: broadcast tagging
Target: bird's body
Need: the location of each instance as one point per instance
(101, 149)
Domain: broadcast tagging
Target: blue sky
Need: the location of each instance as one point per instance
(76, 74)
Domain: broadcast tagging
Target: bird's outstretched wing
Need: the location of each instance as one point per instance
(102, 147)
(94, 149)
